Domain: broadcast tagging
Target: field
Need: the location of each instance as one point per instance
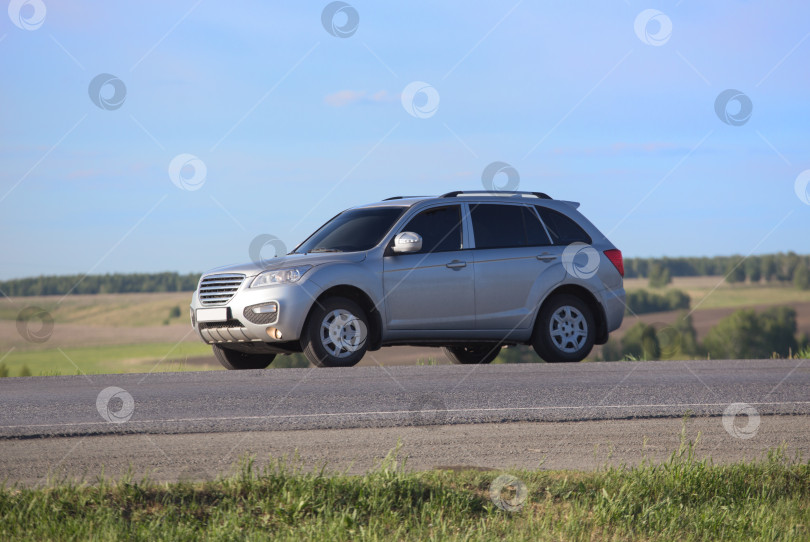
(117, 310)
(117, 333)
(716, 293)
(712, 299)
(107, 333)
(680, 499)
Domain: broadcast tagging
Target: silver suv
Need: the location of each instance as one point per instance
(468, 271)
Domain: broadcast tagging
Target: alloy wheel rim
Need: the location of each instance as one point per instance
(342, 333)
(568, 329)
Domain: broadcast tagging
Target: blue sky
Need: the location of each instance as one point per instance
(294, 124)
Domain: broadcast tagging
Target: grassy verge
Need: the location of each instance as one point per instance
(681, 499)
(124, 358)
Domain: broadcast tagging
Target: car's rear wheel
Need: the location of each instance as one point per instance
(236, 360)
(472, 354)
(336, 333)
(565, 330)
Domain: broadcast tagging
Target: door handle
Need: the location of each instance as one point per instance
(546, 257)
(456, 264)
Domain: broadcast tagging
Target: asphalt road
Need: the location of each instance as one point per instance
(579, 416)
(361, 397)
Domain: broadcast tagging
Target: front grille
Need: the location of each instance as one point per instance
(219, 289)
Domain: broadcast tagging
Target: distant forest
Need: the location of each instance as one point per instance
(781, 267)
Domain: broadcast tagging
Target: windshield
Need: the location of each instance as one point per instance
(353, 230)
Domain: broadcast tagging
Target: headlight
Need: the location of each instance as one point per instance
(280, 276)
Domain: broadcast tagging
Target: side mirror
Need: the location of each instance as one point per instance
(406, 242)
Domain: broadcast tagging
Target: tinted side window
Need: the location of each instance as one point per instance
(440, 228)
(562, 229)
(498, 226)
(502, 226)
(535, 234)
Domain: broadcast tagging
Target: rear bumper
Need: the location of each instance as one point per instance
(613, 301)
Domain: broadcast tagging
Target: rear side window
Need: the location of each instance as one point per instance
(503, 226)
(562, 229)
(440, 228)
(535, 234)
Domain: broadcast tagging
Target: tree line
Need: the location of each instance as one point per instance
(644, 301)
(117, 283)
(780, 267)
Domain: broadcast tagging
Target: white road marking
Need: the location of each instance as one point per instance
(400, 412)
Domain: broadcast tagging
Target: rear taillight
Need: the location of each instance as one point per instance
(615, 257)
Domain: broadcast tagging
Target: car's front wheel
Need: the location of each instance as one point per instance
(473, 354)
(236, 360)
(336, 333)
(565, 330)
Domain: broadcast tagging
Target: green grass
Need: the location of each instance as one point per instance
(124, 358)
(681, 499)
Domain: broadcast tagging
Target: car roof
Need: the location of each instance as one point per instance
(477, 196)
(398, 202)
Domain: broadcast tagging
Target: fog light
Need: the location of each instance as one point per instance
(274, 333)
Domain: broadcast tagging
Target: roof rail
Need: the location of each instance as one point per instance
(540, 195)
(402, 197)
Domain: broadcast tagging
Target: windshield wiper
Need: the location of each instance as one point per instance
(325, 250)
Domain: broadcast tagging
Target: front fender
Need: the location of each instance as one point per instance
(365, 276)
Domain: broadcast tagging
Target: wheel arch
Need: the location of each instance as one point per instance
(364, 300)
(587, 296)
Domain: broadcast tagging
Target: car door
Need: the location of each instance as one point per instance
(433, 288)
(514, 261)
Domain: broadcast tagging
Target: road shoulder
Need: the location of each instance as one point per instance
(585, 445)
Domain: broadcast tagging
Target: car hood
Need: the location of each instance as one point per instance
(290, 260)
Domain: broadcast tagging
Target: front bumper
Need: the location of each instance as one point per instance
(293, 302)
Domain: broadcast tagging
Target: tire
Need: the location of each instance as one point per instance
(336, 333)
(474, 354)
(565, 330)
(234, 360)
